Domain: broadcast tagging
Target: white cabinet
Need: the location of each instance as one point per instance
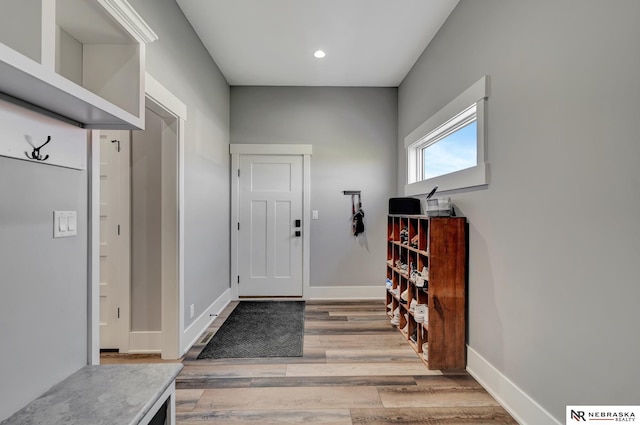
(80, 59)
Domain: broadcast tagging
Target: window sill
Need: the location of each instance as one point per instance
(463, 179)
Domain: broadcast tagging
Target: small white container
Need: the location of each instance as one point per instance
(439, 207)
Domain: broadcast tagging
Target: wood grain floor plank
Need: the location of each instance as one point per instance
(184, 382)
(360, 369)
(391, 340)
(192, 370)
(373, 314)
(351, 329)
(381, 326)
(398, 355)
(288, 398)
(438, 415)
(268, 417)
(186, 399)
(421, 396)
(332, 381)
(448, 381)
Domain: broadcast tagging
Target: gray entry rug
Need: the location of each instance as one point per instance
(259, 329)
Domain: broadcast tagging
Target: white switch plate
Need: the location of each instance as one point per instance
(65, 224)
(193, 310)
(314, 215)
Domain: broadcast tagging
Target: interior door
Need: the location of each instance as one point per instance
(270, 225)
(114, 246)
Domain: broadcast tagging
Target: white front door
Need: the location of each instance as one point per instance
(270, 236)
(114, 241)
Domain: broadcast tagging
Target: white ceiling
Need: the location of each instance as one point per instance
(370, 43)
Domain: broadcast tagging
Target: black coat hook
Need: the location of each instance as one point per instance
(36, 152)
(118, 142)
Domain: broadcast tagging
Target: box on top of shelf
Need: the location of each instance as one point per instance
(439, 207)
(404, 206)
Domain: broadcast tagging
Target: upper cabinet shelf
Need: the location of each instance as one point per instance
(81, 59)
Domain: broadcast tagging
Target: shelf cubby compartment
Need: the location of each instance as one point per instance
(96, 53)
(413, 232)
(423, 237)
(396, 229)
(21, 28)
(82, 60)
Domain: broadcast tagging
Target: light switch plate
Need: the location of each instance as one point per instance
(65, 224)
(314, 215)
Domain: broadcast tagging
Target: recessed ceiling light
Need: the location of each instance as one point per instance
(319, 54)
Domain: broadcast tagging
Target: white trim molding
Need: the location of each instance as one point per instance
(127, 16)
(270, 149)
(168, 106)
(477, 175)
(456, 180)
(519, 404)
(160, 95)
(193, 332)
(478, 91)
(93, 272)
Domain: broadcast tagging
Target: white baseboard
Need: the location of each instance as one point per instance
(193, 332)
(143, 342)
(346, 293)
(521, 406)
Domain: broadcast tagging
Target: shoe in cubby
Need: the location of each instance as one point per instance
(420, 313)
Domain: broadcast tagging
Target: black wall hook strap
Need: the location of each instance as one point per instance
(36, 152)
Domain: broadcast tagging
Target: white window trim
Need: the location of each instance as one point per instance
(469, 177)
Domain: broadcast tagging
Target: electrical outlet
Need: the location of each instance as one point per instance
(193, 310)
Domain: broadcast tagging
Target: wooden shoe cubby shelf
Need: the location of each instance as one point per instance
(440, 245)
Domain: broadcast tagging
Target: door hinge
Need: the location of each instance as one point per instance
(118, 312)
(238, 225)
(238, 172)
(118, 230)
(238, 278)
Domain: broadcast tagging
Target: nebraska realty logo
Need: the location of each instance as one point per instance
(578, 414)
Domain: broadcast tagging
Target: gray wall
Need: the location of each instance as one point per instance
(43, 307)
(353, 133)
(179, 61)
(146, 226)
(554, 238)
(43, 300)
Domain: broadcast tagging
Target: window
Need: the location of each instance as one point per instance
(450, 148)
(447, 150)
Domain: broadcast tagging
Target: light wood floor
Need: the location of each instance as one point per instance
(356, 369)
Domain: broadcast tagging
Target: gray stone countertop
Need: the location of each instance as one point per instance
(100, 395)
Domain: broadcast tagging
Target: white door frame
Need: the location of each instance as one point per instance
(271, 149)
(165, 104)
